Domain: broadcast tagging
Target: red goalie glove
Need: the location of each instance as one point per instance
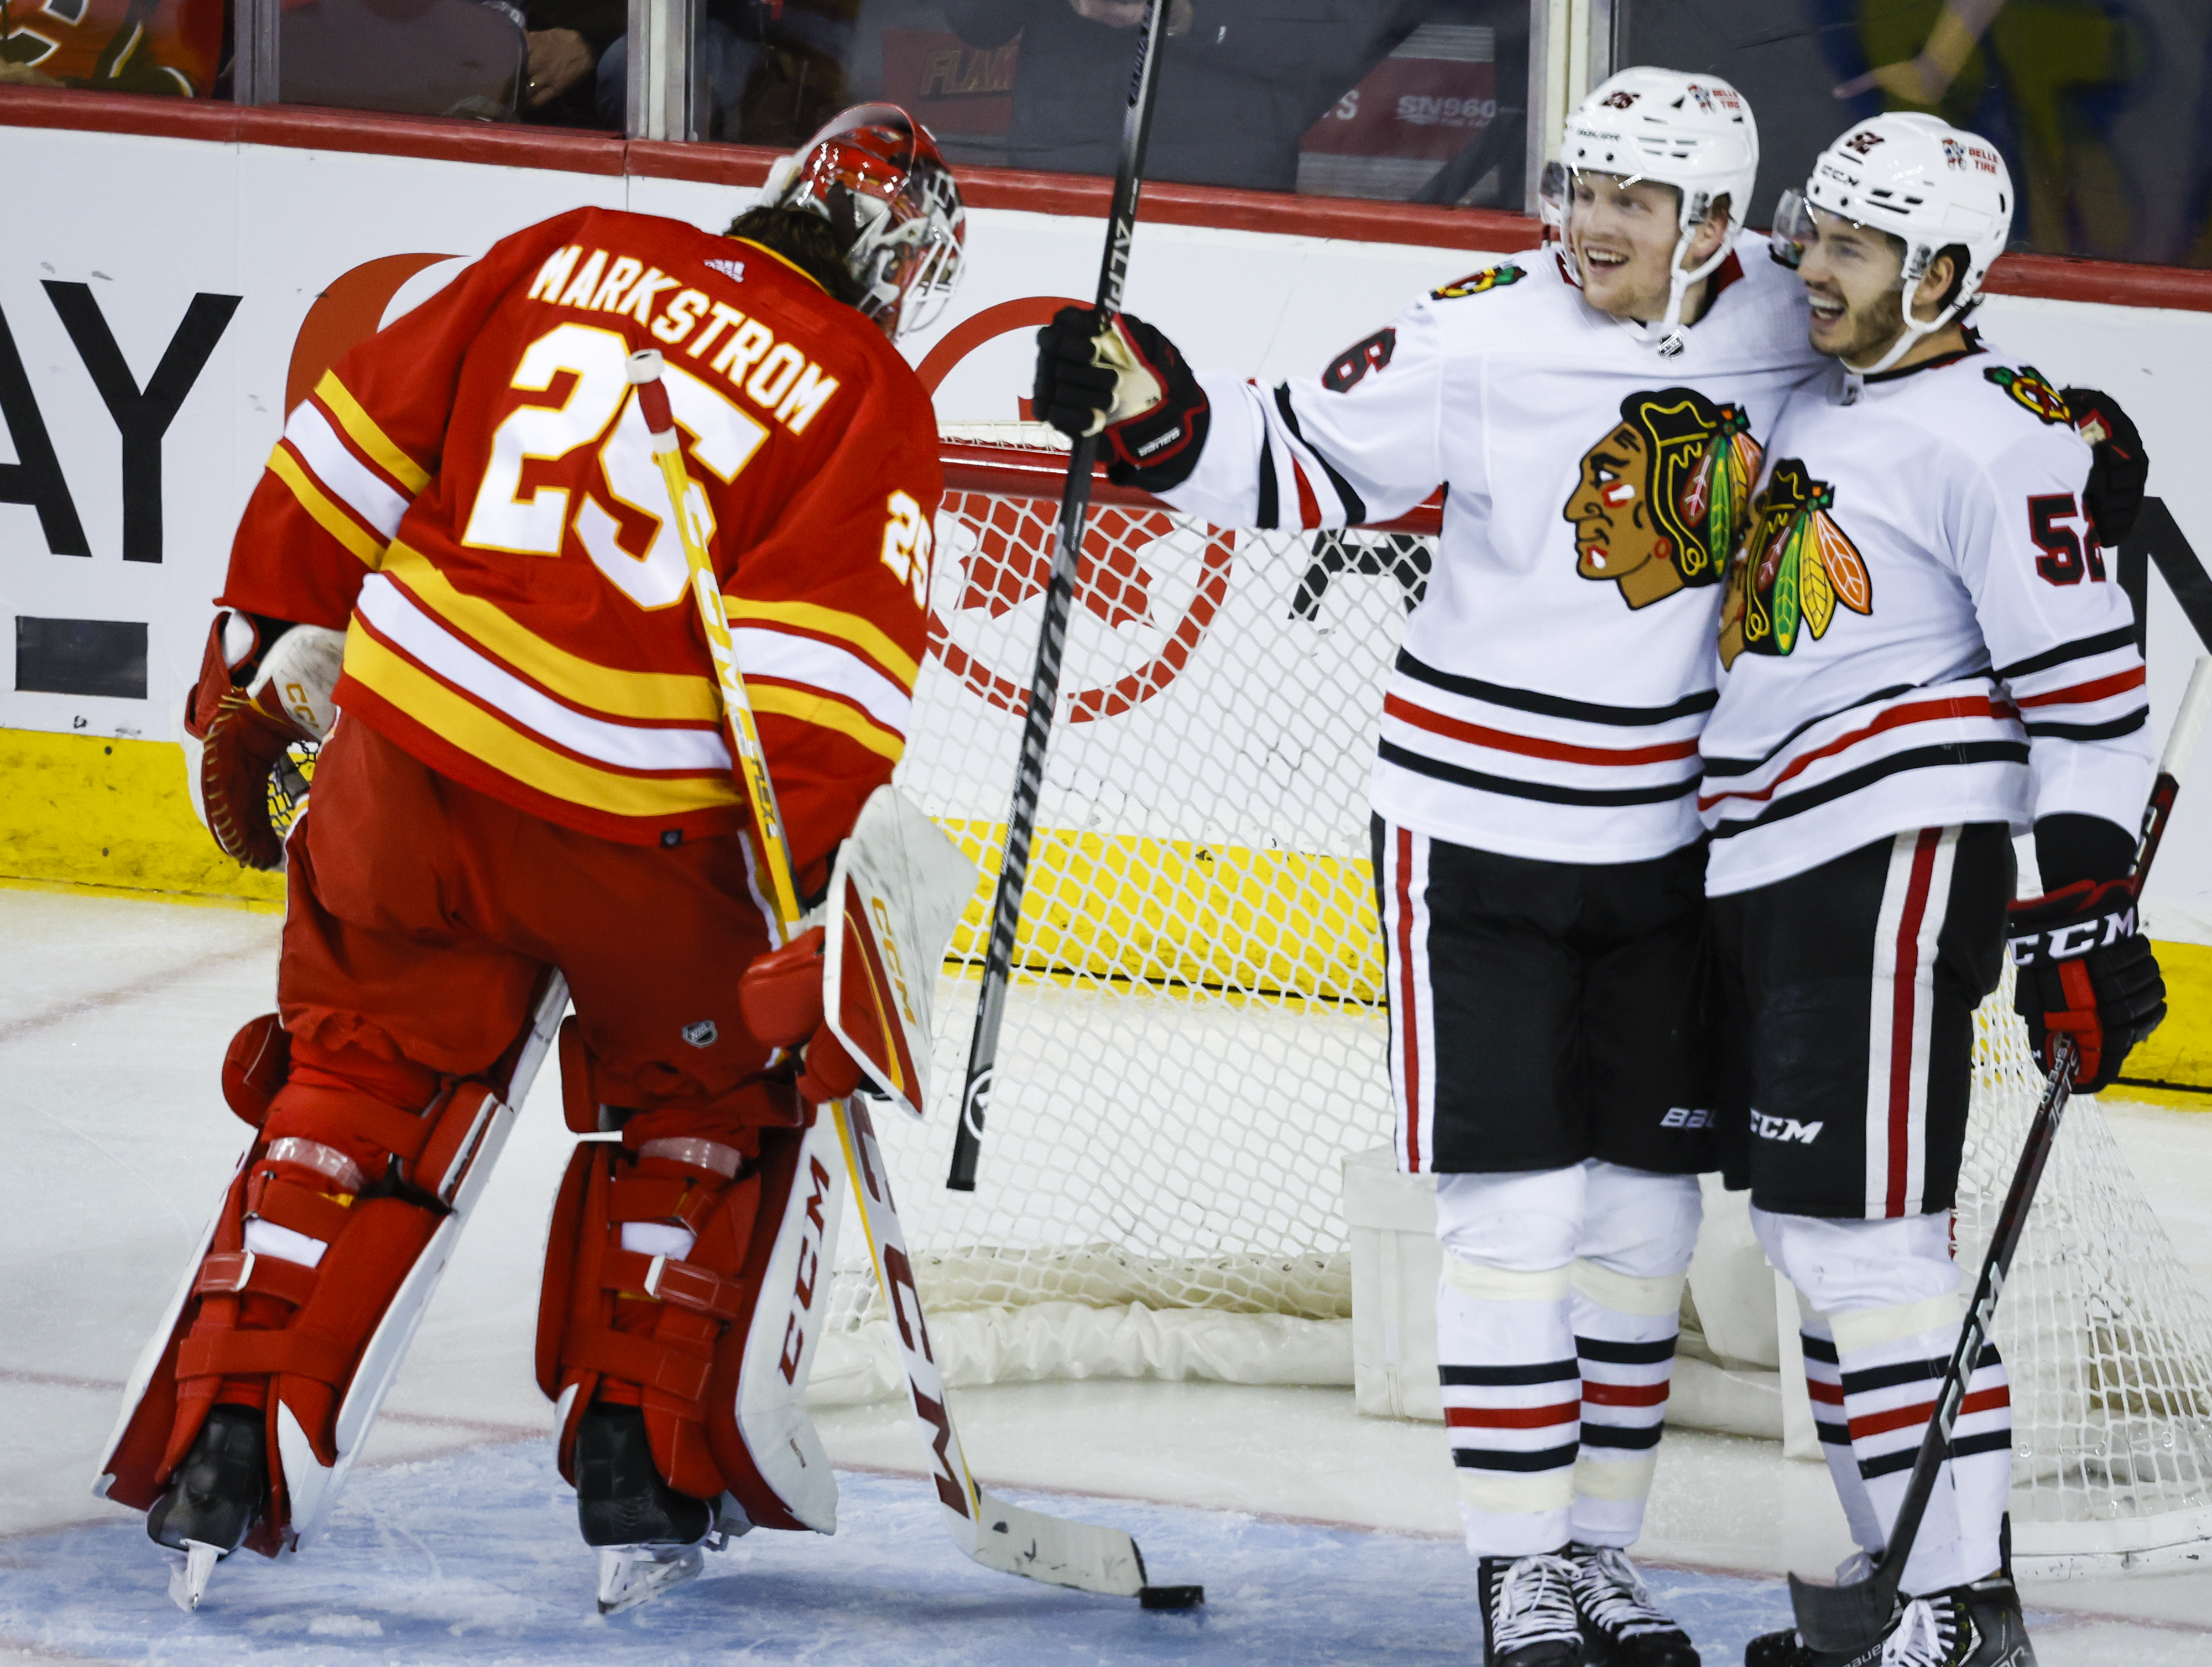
(2083, 970)
(781, 996)
(255, 701)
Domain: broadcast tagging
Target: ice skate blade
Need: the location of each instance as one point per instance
(634, 1574)
(189, 1571)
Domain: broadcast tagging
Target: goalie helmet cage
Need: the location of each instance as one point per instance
(1195, 1037)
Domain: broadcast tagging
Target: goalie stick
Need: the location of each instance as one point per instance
(1051, 634)
(1847, 1620)
(995, 1534)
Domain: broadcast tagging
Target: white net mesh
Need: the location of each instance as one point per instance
(1194, 1038)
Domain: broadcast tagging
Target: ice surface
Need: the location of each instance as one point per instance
(456, 1540)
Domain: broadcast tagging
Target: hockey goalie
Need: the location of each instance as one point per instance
(453, 575)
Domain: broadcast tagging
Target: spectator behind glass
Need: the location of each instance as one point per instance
(773, 70)
(567, 40)
(1239, 81)
(174, 47)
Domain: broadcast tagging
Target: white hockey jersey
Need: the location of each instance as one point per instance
(1555, 678)
(1919, 628)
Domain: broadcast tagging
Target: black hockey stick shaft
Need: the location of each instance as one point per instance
(1051, 638)
(1848, 1619)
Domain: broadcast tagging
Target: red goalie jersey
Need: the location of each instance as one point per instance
(474, 492)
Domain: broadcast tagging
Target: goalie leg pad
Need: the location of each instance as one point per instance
(333, 1208)
(688, 1276)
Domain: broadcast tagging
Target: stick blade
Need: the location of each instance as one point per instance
(1058, 1552)
(1844, 1619)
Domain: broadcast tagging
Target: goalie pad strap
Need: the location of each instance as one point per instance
(250, 1353)
(242, 1272)
(303, 1210)
(681, 1284)
(661, 1198)
(588, 1347)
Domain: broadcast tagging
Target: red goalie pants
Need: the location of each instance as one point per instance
(420, 919)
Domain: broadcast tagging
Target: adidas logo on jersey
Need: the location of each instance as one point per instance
(732, 270)
(1785, 1128)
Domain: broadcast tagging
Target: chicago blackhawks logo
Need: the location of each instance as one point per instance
(1662, 498)
(1478, 283)
(1792, 571)
(2028, 386)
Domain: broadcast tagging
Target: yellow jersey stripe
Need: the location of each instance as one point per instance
(854, 629)
(513, 753)
(672, 696)
(327, 515)
(826, 714)
(361, 428)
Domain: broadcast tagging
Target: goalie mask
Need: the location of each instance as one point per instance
(875, 174)
(1924, 183)
(1692, 132)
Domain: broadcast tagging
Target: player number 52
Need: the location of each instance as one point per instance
(2066, 553)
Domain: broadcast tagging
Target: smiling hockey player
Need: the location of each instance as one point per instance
(1594, 411)
(530, 775)
(1926, 653)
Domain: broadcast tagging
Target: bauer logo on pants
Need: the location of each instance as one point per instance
(1662, 497)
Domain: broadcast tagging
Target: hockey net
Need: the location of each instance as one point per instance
(1195, 1036)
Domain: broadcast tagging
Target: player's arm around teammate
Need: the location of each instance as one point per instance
(1926, 654)
(530, 774)
(1593, 407)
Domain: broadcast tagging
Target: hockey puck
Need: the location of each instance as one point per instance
(1170, 1598)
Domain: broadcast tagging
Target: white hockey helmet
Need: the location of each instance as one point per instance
(876, 174)
(1925, 182)
(1694, 132)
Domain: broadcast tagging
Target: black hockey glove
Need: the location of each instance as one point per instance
(1128, 381)
(2082, 969)
(2115, 492)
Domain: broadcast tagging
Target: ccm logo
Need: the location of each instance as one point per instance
(1785, 1128)
(808, 1273)
(1687, 1116)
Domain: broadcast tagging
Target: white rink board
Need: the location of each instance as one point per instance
(150, 223)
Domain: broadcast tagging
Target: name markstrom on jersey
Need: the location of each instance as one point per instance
(782, 380)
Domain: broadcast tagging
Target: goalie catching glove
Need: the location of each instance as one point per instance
(1127, 383)
(264, 687)
(781, 996)
(2083, 970)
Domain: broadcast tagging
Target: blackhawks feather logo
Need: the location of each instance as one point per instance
(1478, 283)
(2033, 389)
(1662, 498)
(1792, 571)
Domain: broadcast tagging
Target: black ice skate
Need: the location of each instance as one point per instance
(1975, 1624)
(1529, 1616)
(650, 1537)
(212, 1499)
(1621, 1626)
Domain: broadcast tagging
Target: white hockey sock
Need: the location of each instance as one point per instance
(1506, 1350)
(1625, 1333)
(1893, 1361)
(1824, 1380)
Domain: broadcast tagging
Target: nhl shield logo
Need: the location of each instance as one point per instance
(702, 1034)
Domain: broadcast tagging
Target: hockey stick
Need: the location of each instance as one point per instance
(1848, 1619)
(1052, 635)
(1018, 1541)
